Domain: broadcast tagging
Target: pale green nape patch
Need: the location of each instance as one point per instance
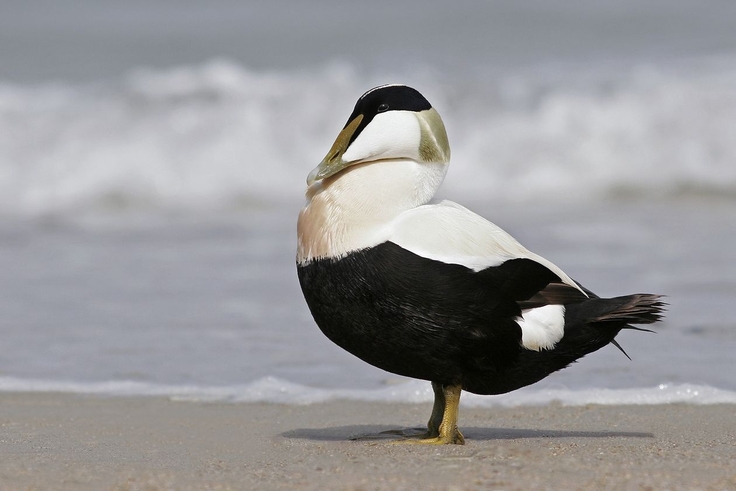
(433, 144)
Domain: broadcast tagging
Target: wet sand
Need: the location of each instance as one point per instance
(56, 441)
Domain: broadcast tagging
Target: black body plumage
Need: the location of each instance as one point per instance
(449, 324)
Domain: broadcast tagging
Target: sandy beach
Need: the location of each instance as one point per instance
(153, 162)
(56, 441)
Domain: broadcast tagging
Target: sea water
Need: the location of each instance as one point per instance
(148, 211)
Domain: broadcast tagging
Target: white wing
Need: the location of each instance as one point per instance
(453, 234)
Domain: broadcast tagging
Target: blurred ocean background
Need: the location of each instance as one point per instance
(153, 158)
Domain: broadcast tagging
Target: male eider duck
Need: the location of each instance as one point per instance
(434, 291)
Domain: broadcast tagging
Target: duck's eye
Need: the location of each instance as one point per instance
(383, 107)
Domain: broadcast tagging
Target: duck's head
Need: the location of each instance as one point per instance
(389, 122)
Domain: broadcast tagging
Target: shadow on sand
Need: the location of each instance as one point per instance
(373, 432)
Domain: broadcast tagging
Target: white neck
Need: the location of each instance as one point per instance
(354, 209)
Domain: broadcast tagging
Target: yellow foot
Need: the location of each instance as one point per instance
(442, 427)
(393, 434)
(454, 438)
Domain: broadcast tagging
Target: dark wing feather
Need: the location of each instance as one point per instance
(554, 294)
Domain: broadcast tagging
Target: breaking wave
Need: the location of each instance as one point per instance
(275, 390)
(220, 135)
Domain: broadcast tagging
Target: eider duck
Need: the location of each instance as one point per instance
(434, 291)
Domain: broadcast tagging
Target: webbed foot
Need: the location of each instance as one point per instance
(450, 438)
(393, 434)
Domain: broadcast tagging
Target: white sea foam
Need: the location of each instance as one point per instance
(275, 390)
(219, 134)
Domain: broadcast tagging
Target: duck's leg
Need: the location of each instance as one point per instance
(438, 411)
(433, 426)
(442, 424)
(444, 412)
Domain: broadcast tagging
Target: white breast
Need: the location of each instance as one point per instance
(358, 208)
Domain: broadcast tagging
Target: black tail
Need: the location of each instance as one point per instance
(640, 308)
(592, 324)
(589, 325)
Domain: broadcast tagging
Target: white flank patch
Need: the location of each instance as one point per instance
(542, 327)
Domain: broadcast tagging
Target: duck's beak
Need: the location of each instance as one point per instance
(333, 162)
